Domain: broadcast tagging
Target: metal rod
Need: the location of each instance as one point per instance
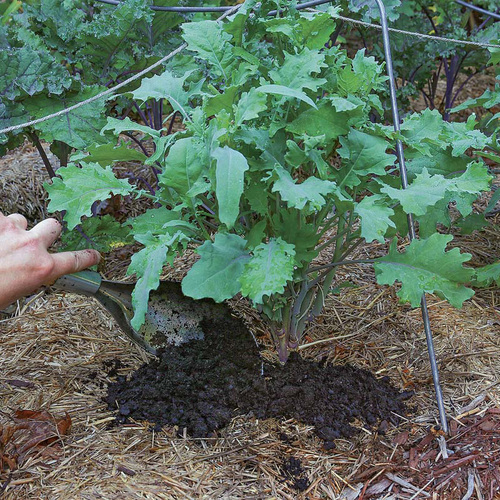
(411, 225)
(478, 9)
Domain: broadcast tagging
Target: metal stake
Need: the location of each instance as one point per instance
(412, 233)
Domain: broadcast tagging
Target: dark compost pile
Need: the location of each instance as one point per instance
(202, 384)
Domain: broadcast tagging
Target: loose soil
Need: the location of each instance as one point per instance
(201, 385)
(294, 474)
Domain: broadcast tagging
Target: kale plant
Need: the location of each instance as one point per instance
(279, 164)
(55, 54)
(490, 124)
(421, 64)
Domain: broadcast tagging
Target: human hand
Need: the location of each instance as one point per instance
(25, 263)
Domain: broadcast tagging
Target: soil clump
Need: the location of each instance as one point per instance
(201, 385)
(294, 474)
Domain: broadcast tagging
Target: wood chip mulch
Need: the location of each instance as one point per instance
(466, 465)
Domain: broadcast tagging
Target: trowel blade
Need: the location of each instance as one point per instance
(172, 318)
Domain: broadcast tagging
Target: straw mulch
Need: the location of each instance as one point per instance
(59, 351)
(22, 175)
(62, 347)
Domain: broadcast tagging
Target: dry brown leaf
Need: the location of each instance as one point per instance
(41, 429)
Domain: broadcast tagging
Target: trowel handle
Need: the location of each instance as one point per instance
(84, 283)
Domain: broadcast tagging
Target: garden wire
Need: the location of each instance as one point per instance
(419, 35)
(478, 9)
(190, 10)
(116, 87)
(193, 10)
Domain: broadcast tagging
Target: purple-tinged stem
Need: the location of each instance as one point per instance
(138, 142)
(171, 124)
(36, 141)
(87, 238)
(480, 70)
(141, 113)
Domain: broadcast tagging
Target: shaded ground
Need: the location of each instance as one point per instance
(203, 384)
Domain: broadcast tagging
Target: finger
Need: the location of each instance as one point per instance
(72, 262)
(19, 220)
(47, 231)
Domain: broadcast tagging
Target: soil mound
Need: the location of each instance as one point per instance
(202, 384)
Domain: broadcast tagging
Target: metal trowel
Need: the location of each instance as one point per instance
(171, 318)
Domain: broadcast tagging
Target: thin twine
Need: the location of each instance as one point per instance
(98, 96)
(184, 45)
(412, 33)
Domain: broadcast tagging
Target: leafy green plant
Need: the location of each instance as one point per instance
(489, 102)
(421, 65)
(55, 54)
(278, 164)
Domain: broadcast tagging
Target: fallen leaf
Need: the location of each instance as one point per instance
(19, 383)
(32, 432)
(488, 425)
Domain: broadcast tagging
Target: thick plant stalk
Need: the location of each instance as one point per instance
(295, 315)
(279, 334)
(299, 319)
(327, 283)
(282, 345)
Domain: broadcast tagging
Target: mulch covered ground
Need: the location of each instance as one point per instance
(60, 440)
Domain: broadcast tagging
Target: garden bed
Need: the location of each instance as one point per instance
(60, 352)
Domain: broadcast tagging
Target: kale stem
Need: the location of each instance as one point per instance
(171, 124)
(87, 238)
(292, 291)
(328, 277)
(331, 240)
(209, 211)
(336, 33)
(428, 15)
(282, 345)
(207, 205)
(209, 224)
(150, 196)
(295, 315)
(299, 321)
(328, 225)
(138, 142)
(141, 113)
(202, 227)
(150, 121)
(324, 211)
(351, 249)
(479, 71)
(36, 141)
(157, 114)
